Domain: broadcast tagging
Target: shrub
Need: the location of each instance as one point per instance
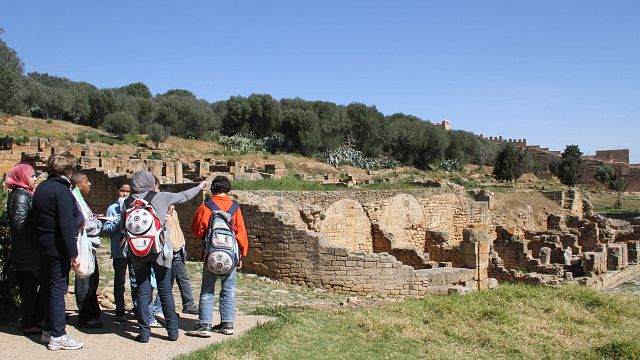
(119, 123)
(570, 170)
(158, 134)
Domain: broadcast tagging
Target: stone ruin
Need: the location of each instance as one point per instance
(587, 249)
(384, 243)
(96, 156)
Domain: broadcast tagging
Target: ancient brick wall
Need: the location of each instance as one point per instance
(401, 216)
(303, 257)
(346, 224)
(8, 160)
(620, 155)
(103, 190)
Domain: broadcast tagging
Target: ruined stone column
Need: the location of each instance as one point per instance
(178, 172)
(474, 253)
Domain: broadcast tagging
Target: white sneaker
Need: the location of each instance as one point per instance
(45, 336)
(155, 324)
(160, 318)
(64, 342)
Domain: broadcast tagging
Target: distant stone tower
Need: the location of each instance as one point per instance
(446, 124)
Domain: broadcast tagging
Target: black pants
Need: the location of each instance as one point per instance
(59, 268)
(87, 295)
(34, 296)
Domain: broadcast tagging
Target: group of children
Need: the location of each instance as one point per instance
(47, 222)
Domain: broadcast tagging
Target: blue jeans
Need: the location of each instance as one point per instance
(120, 267)
(163, 278)
(59, 268)
(180, 275)
(226, 300)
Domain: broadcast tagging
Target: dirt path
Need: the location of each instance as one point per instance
(116, 341)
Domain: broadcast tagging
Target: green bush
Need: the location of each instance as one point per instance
(119, 123)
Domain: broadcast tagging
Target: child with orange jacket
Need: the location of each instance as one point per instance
(220, 188)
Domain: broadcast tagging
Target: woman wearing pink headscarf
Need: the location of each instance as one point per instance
(30, 269)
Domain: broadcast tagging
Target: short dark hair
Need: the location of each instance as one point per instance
(122, 181)
(61, 164)
(220, 184)
(76, 177)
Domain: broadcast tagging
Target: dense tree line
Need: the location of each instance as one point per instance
(289, 125)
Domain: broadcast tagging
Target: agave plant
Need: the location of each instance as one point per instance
(346, 155)
(242, 144)
(450, 165)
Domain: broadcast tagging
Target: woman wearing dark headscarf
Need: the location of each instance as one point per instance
(30, 269)
(143, 183)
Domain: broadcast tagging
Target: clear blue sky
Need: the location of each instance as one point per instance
(555, 72)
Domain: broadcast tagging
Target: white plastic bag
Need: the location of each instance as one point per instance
(85, 256)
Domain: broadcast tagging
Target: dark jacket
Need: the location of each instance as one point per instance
(55, 216)
(23, 247)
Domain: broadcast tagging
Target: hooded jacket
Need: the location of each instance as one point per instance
(142, 183)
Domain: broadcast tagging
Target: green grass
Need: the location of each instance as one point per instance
(291, 183)
(603, 201)
(512, 322)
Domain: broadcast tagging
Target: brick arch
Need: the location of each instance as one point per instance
(346, 224)
(403, 217)
(287, 209)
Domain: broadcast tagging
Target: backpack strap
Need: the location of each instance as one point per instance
(150, 195)
(234, 208)
(128, 201)
(214, 207)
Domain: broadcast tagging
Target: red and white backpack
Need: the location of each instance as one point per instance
(143, 230)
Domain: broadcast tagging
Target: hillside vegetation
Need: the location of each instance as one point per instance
(285, 125)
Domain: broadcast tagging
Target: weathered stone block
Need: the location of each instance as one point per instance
(594, 262)
(617, 256)
(545, 256)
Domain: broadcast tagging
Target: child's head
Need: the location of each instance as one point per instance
(123, 188)
(220, 185)
(81, 181)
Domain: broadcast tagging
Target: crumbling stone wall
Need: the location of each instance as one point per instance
(401, 216)
(103, 189)
(278, 249)
(346, 224)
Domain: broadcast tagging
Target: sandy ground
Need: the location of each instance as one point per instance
(116, 341)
